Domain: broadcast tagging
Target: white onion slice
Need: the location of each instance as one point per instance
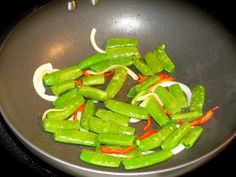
(119, 155)
(129, 71)
(148, 95)
(178, 149)
(38, 81)
(134, 120)
(51, 110)
(147, 152)
(184, 87)
(93, 42)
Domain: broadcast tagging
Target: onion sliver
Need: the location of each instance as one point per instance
(148, 95)
(93, 42)
(177, 149)
(129, 71)
(134, 120)
(184, 87)
(51, 110)
(38, 81)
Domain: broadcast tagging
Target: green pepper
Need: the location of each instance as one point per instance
(177, 92)
(156, 111)
(121, 43)
(117, 81)
(142, 67)
(126, 109)
(100, 159)
(119, 53)
(146, 160)
(92, 60)
(76, 137)
(56, 125)
(105, 64)
(198, 97)
(60, 76)
(104, 126)
(63, 87)
(191, 137)
(63, 100)
(112, 116)
(94, 80)
(174, 138)
(156, 139)
(143, 86)
(93, 93)
(164, 59)
(153, 62)
(89, 111)
(169, 101)
(187, 116)
(66, 111)
(134, 99)
(116, 139)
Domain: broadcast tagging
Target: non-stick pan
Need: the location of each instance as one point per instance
(203, 50)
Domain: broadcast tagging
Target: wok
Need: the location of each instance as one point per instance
(201, 47)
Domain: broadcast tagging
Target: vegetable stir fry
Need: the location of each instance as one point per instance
(173, 113)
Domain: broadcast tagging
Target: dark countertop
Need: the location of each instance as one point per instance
(14, 155)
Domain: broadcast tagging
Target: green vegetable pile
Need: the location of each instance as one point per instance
(176, 113)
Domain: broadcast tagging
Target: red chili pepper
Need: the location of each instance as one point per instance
(148, 125)
(162, 75)
(85, 73)
(79, 110)
(181, 122)
(147, 134)
(166, 79)
(117, 150)
(205, 117)
(141, 78)
(109, 74)
(79, 83)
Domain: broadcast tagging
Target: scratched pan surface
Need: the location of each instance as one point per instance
(203, 50)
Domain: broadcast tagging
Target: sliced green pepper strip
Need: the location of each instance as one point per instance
(119, 53)
(117, 81)
(143, 86)
(63, 87)
(178, 93)
(93, 93)
(112, 116)
(116, 139)
(191, 137)
(63, 100)
(121, 42)
(153, 62)
(92, 60)
(94, 80)
(89, 111)
(169, 101)
(76, 137)
(164, 59)
(156, 139)
(156, 111)
(60, 76)
(187, 116)
(100, 159)
(142, 67)
(146, 160)
(126, 109)
(68, 110)
(103, 126)
(105, 64)
(56, 125)
(174, 138)
(198, 98)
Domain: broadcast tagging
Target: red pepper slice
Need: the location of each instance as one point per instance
(141, 78)
(109, 74)
(205, 117)
(85, 73)
(162, 75)
(148, 125)
(147, 134)
(78, 83)
(117, 150)
(80, 109)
